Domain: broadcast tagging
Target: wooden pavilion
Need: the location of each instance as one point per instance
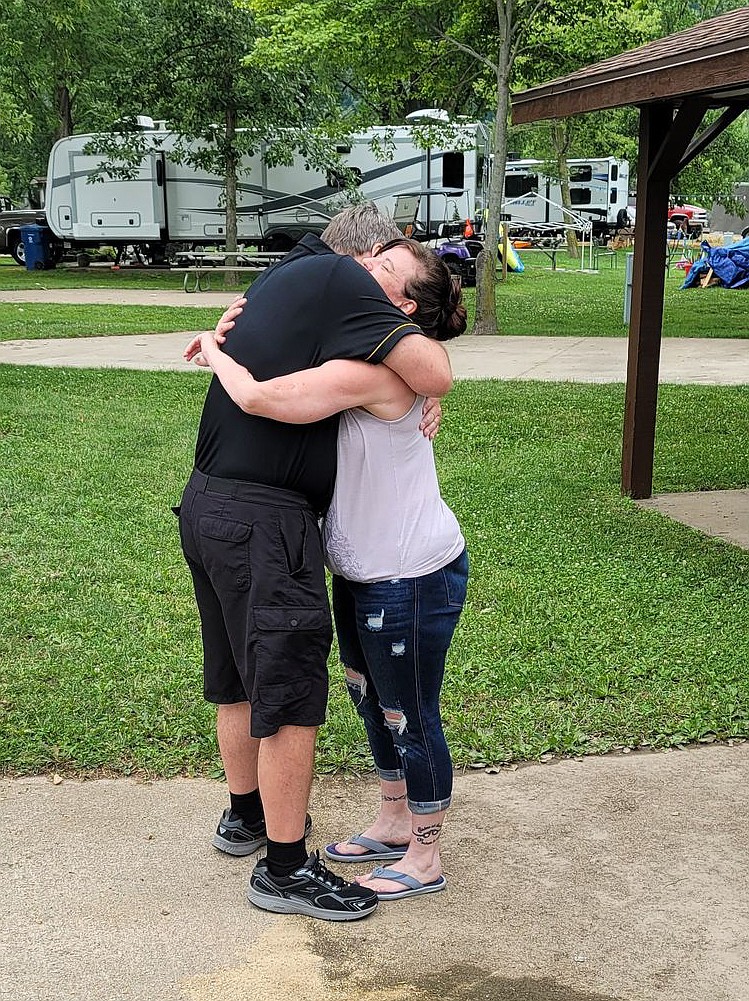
(674, 81)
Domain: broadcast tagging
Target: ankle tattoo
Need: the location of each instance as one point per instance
(427, 834)
(392, 799)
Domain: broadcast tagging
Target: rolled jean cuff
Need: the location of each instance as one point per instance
(435, 807)
(391, 774)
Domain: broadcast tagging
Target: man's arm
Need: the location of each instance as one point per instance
(423, 365)
(421, 362)
(303, 397)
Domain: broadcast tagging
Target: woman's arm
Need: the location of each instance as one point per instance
(310, 395)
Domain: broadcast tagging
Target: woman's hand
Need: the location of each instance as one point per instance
(226, 323)
(431, 416)
(194, 352)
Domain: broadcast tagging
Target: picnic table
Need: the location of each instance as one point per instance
(199, 265)
(550, 251)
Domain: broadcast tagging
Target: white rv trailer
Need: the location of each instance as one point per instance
(599, 190)
(170, 203)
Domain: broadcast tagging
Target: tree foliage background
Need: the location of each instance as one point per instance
(230, 72)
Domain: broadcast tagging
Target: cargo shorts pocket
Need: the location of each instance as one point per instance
(225, 551)
(292, 644)
(291, 619)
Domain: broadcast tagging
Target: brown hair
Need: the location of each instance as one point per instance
(436, 291)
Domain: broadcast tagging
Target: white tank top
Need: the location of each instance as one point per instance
(387, 518)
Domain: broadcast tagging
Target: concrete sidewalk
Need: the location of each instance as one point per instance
(576, 359)
(713, 361)
(624, 877)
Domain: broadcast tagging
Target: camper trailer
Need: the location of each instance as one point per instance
(598, 192)
(165, 203)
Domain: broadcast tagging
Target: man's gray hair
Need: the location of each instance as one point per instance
(356, 229)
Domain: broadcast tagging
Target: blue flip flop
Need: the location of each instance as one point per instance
(377, 851)
(412, 886)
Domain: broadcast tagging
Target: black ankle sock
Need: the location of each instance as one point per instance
(248, 805)
(286, 856)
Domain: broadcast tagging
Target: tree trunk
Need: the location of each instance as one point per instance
(560, 138)
(486, 265)
(64, 106)
(232, 165)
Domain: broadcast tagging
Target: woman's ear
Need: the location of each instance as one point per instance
(408, 306)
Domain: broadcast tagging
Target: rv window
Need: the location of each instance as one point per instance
(614, 172)
(580, 196)
(612, 199)
(517, 185)
(580, 175)
(452, 171)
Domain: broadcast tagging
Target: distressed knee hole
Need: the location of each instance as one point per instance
(398, 648)
(356, 682)
(395, 720)
(375, 620)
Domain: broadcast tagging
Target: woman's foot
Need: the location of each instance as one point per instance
(429, 876)
(389, 835)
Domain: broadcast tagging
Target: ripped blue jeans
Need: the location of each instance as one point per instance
(394, 637)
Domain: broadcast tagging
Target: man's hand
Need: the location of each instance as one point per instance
(193, 351)
(431, 415)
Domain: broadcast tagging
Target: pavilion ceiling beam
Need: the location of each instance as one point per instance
(712, 132)
(664, 164)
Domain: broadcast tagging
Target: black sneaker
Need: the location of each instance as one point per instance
(313, 889)
(236, 837)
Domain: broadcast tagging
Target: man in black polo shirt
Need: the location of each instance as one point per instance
(249, 532)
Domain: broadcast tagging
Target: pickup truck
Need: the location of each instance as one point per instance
(11, 220)
(694, 216)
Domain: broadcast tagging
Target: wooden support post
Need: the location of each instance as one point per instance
(646, 317)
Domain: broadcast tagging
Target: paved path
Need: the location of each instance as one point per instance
(623, 878)
(578, 359)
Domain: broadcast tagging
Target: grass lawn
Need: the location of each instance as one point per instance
(590, 623)
(32, 321)
(14, 278)
(565, 302)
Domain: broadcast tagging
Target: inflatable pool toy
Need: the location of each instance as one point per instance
(513, 260)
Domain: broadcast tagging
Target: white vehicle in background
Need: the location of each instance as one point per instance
(599, 190)
(166, 204)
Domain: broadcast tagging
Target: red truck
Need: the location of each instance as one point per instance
(694, 216)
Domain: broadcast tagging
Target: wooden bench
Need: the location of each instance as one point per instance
(607, 254)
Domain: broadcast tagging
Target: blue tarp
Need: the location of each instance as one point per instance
(730, 264)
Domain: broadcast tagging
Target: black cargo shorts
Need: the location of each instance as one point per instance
(257, 567)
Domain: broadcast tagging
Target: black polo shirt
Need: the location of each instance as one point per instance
(310, 308)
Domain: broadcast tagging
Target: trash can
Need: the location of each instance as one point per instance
(38, 245)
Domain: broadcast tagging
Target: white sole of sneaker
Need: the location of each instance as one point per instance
(278, 905)
(235, 848)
